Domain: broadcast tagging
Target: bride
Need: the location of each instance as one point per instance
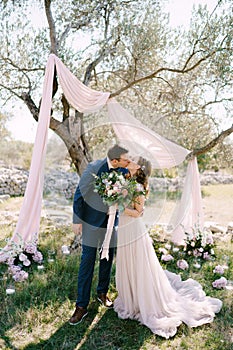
(155, 297)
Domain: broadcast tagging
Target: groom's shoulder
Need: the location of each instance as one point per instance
(96, 164)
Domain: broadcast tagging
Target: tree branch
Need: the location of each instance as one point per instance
(163, 69)
(211, 144)
(52, 31)
(31, 105)
(93, 64)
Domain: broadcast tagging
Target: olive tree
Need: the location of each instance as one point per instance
(163, 76)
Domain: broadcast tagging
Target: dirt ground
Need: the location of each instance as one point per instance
(218, 203)
(217, 206)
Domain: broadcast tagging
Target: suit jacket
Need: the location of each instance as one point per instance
(88, 206)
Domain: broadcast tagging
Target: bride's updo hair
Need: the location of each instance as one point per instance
(144, 172)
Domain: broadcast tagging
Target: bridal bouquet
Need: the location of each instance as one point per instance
(114, 188)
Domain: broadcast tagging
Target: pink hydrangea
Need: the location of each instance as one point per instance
(182, 264)
(37, 257)
(219, 269)
(30, 248)
(206, 256)
(27, 262)
(196, 253)
(22, 257)
(20, 276)
(14, 269)
(220, 283)
(167, 257)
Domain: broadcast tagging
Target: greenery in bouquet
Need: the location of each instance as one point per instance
(21, 257)
(115, 188)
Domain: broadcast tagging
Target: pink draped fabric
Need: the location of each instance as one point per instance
(189, 214)
(83, 99)
(27, 227)
(143, 141)
(140, 139)
(80, 96)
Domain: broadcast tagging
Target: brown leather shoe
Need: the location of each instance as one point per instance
(104, 300)
(78, 315)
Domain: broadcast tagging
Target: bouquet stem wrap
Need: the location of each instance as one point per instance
(108, 235)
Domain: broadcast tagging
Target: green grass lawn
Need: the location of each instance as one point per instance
(35, 317)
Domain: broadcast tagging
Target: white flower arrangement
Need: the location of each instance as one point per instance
(200, 244)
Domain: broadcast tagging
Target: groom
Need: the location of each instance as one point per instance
(90, 218)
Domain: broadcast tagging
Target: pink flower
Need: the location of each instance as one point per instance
(20, 276)
(182, 264)
(206, 256)
(30, 248)
(219, 269)
(124, 192)
(37, 257)
(163, 250)
(14, 269)
(196, 253)
(22, 257)
(167, 257)
(168, 246)
(27, 262)
(116, 189)
(10, 261)
(209, 240)
(220, 283)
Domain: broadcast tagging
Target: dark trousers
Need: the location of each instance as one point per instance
(85, 274)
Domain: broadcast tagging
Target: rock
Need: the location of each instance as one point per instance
(230, 227)
(215, 227)
(4, 197)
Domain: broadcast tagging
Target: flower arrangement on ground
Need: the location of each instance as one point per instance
(200, 244)
(21, 257)
(115, 188)
(198, 247)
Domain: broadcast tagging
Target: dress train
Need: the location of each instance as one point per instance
(157, 298)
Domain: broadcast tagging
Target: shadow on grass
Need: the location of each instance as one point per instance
(48, 294)
(100, 330)
(44, 292)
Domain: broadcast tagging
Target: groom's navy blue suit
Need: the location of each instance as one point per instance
(92, 213)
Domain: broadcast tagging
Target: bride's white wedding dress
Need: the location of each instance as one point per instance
(155, 297)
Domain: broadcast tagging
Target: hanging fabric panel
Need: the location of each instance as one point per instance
(142, 141)
(188, 216)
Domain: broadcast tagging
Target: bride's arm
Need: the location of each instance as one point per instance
(138, 207)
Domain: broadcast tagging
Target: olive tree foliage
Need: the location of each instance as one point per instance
(165, 77)
(4, 133)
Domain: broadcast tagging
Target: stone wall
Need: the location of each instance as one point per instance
(13, 182)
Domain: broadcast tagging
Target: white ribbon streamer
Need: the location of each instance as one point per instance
(108, 235)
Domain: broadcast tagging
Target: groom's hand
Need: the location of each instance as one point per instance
(77, 229)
